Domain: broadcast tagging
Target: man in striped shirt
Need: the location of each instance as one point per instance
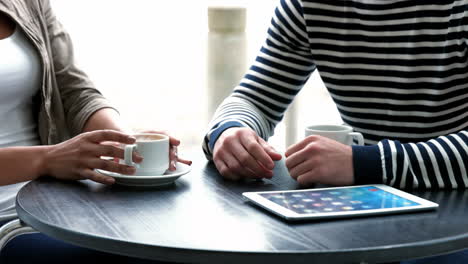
(397, 71)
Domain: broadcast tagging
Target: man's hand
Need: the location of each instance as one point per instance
(319, 159)
(239, 153)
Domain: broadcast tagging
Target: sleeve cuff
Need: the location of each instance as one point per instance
(83, 115)
(220, 129)
(367, 164)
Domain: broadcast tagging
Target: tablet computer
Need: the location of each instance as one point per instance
(337, 202)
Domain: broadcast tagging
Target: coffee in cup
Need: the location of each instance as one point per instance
(341, 133)
(154, 148)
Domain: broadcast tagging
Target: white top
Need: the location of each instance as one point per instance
(20, 80)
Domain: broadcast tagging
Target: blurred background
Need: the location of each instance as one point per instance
(149, 58)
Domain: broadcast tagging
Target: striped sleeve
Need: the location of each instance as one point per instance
(282, 67)
(436, 164)
(396, 71)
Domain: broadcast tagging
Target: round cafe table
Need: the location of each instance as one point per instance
(204, 219)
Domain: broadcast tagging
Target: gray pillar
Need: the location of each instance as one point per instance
(226, 55)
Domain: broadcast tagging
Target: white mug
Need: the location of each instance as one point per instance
(341, 133)
(154, 148)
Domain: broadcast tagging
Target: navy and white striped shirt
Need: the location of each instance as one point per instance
(396, 69)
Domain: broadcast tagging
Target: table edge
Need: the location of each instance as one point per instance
(164, 253)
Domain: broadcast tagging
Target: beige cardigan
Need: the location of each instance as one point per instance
(67, 97)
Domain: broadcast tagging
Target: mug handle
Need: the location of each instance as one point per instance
(128, 154)
(358, 136)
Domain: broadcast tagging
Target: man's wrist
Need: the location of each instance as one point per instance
(367, 164)
(216, 132)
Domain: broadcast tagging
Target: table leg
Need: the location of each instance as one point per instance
(13, 229)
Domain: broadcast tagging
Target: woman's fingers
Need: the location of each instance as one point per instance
(109, 135)
(97, 177)
(78, 158)
(108, 151)
(109, 165)
(174, 158)
(187, 162)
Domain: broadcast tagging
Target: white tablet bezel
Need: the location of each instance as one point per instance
(284, 212)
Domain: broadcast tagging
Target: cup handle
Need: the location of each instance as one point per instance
(128, 154)
(358, 136)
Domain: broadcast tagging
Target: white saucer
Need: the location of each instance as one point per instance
(148, 181)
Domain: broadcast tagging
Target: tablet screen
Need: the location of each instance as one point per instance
(338, 200)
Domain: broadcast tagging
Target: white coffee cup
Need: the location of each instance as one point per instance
(341, 133)
(154, 148)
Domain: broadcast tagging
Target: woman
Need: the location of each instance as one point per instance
(44, 100)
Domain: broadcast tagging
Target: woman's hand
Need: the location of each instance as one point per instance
(76, 158)
(173, 144)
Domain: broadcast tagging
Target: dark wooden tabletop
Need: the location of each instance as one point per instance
(204, 219)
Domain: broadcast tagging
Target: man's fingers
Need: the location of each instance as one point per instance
(242, 154)
(252, 153)
(109, 135)
(236, 158)
(234, 169)
(300, 145)
(225, 171)
(306, 179)
(272, 153)
(295, 148)
(295, 159)
(301, 168)
(248, 159)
